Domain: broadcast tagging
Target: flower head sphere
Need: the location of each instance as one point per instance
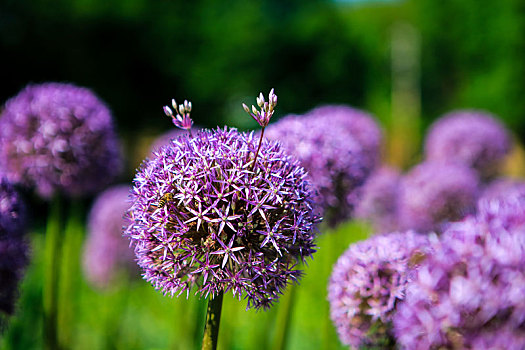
(106, 252)
(474, 138)
(13, 246)
(205, 216)
(367, 283)
(433, 194)
(378, 199)
(337, 162)
(468, 294)
(58, 138)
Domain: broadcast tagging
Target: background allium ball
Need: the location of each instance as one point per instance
(378, 200)
(367, 283)
(58, 138)
(13, 247)
(474, 138)
(202, 217)
(338, 146)
(468, 294)
(435, 193)
(106, 253)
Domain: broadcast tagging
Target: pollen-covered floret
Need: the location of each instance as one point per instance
(203, 216)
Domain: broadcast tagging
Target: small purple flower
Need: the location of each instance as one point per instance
(468, 294)
(106, 253)
(474, 138)
(267, 109)
(368, 282)
(181, 119)
(435, 193)
(58, 138)
(201, 217)
(378, 200)
(329, 146)
(13, 247)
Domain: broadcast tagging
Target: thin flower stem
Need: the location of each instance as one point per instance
(213, 319)
(282, 327)
(53, 255)
(258, 148)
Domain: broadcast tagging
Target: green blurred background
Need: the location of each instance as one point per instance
(407, 62)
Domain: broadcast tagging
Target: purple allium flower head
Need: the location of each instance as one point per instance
(474, 138)
(468, 294)
(378, 199)
(361, 125)
(435, 193)
(13, 248)
(367, 283)
(330, 148)
(58, 138)
(201, 217)
(106, 252)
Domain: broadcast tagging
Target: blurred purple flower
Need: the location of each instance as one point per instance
(435, 193)
(13, 247)
(378, 200)
(338, 146)
(58, 138)
(368, 282)
(201, 217)
(468, 294)
(106, 253)
(474, 138)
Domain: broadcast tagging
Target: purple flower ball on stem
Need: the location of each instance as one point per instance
(378, 200)
(339, 147)
(205, 215)
(58, 138)
(433, 194)
(468, 294)
(367, 283)
(471, 137)
(106, 253)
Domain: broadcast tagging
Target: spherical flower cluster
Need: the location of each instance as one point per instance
(468, 294)
(13, 247)
(204, 214)
(58, 138)
(367, 283)
(378, 200)
(338, 146)
(435, 193)
(474, 138)
(106, 252)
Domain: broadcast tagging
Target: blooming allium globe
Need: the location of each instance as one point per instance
(474, 138)
(435, 193)
(469, 293)
(332, 152)
(203, 215)
(367, 283)
(106, 252)
(378, 199)
(13, 247)
(58, 138)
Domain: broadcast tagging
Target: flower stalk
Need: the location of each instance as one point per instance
(213, 319)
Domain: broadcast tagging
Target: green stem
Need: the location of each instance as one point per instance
(258, 148)
(53, 253)
(213, 319)
(283, 322)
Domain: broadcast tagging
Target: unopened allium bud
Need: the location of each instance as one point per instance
(337, 157)
(267, 109)
(58, 138)
(106, 252)
(205, 216)
(181, 118)
(468, 294)
(378, 200)
(368, 282)
(435, 193)
(471, 137)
